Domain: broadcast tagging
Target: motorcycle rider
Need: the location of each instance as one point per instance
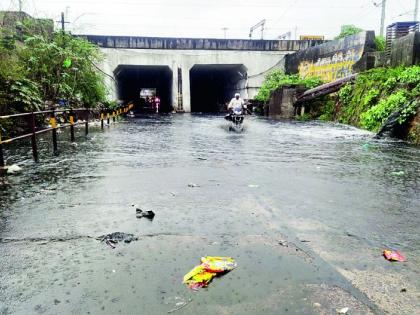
(236, 107)
(236, 104)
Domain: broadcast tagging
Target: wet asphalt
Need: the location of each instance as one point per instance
(305, 209)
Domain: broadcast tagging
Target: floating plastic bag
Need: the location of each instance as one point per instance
(392, 255)
(200, 276)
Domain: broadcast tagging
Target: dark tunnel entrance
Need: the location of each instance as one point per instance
(212, 86)
(134, 83)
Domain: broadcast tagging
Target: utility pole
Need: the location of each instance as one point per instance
(62, 22)
(383, 17)
(416, 10)
(225, 30)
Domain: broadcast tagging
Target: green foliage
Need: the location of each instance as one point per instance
(278, 78)
(304, 117)
(348, 30)
(377, 94)
(373, 118)
(380, 43)
(326, 109)
(32, 72)
(44, 64)
(26, 94)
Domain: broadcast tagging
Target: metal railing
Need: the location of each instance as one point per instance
(72, 116)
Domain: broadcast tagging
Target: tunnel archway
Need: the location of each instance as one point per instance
(131, 79)
(212, 86)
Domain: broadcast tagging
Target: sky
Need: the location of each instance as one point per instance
(209, 18)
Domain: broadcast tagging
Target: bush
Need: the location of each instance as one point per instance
(278, 78)
(378, 93)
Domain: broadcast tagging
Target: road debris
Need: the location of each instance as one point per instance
(398, 173)
(393, 255)
(253, 186)
(192, 185)
(201, 275)
(116, 237)
(13, 169)
(179, 303)
(145, 214)
(343, 310)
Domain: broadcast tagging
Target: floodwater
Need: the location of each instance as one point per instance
(305, 209)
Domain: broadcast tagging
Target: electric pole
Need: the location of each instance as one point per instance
(416, 10)
(225, 31)
(383, 17)
(62, 22)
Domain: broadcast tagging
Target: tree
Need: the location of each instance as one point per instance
(64, 68)
(348, 30)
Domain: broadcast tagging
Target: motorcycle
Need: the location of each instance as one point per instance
(236, 117)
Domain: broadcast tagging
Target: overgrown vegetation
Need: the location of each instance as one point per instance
(35, 69)
(348, 30)
(378, 93)
(278, 78)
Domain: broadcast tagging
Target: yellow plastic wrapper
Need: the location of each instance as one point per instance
(201, 275)
(218, 264)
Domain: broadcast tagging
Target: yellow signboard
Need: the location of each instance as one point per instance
(312, 37)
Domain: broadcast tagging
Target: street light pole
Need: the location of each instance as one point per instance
(224, 31)
(383, 17)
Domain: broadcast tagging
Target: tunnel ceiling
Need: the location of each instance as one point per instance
(132, 78)
(213, 85)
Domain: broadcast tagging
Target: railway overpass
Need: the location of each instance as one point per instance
(190, 74)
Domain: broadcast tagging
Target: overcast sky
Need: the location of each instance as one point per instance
(207, 18)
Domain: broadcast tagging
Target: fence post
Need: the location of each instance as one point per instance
(1, 153)
(87, 123)
(53, 123)
(71, 118)
(33, 138)
(107, 117)
(102, 119)
(113, 116)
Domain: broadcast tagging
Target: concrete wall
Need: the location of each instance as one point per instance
(406, 50)
(257, 64)
(334, 60)
(137, 42)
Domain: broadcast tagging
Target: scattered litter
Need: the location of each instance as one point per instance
(179, 303)
(116, 237)
(365, 146)
(193, 185)
(253, 186)
(201, 275)
(145, 214)
(201, 159)
(173, 194)
(74, 144)
(113, 270)
(343, 310)
(283, 243)
(399, 173)
(317, 305)
(393, 255)
(13, 169)
(403, 290)
(305, 241)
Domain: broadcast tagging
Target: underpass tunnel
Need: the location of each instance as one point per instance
(212, 86)
(132, 79)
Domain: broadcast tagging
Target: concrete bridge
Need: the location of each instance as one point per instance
(190, 74)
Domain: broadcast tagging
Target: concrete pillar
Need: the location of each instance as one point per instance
(186, 94)
(174, 87)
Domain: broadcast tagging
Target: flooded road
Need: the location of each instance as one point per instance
(305, 209)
